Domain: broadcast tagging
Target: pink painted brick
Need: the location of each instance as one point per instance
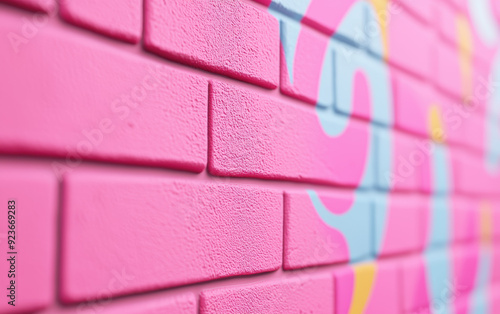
(408, 160)
(423, 9)
(227, 37)
(448, 73)
(412, 102)
(471, 177)
(356, 71)
(178, 304)
(474, 132)
(301, 293)
(264, 2)
(481, 87)
(454, 114)
(414, 55)
(256, 136)
(460, 5)
(121, 19)
(310, 241)
(46, 6)
(429, 280)
(34, 189)
(466, 263)
(351, 282)
(310, 55)
(414, 289)
(155, 232)
(446, 18)
(105, 105)
(465, 220)
(326, 15)
(399, 227)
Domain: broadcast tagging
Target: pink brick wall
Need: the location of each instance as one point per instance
(240, 156)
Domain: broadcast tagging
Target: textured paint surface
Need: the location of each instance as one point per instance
(119, 19)
(366, 288)
(228, 37)
(183, 218)
(36, 5)
(110, 119)
(304, 294)
(267, 156)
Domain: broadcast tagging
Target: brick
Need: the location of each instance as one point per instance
(458, 4)
(428, 282)
(465, 220)
(344, 19)
(326, 228)
(46, 6)
(450, 78)
(190, 232)
(269, 144)
(293, 9)
(117, 19)
(446, 19)
(466, 267)
(481, 88)
(367, 288)
(226, 37)
(474, 132)
(306, 64)
(414, 55)
(178, 304)
(454, 114)
(302, 293)
(151, 115)
(422, 9)
(353, 69)
(437, 175)
(408, 158)
(470, 176)
(438, 226)
(412, 103)
(414, 289)
(34, 189)
(264, 2)
(397, 224)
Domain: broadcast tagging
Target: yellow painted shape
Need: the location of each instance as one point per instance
(364, 277)
(435, 124)
(382, 12)
(486, 221)
(465, 48)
